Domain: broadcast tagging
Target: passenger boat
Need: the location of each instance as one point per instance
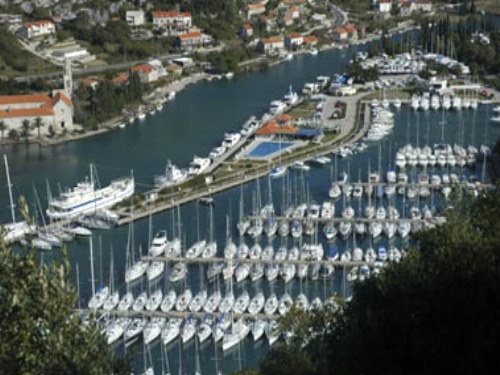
(87, 198)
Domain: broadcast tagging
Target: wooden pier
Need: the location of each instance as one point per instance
(199, 260)
(173, 314)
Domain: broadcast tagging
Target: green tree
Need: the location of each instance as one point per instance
(38, 123)
(26, 127)
(435, 312)
(40, 331)
(13, 135)
(3, 128)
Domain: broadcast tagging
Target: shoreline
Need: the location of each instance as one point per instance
(179, 85)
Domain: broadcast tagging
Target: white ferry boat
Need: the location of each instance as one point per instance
(172, 176)
(86, 198)
(198, 165)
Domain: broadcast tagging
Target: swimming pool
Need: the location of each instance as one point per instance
(265, 149)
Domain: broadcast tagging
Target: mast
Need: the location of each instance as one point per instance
(9, 185)
(92, 266)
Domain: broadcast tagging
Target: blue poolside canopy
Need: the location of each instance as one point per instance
(307, 133)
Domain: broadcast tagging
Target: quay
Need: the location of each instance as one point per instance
(357, 124)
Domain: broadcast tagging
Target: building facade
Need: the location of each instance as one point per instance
(55, 110)
(36, 29)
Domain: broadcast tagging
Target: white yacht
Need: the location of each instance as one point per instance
(87, 198)
(277, 107)
(256, 304)
(159, 244)
(198, 165)
(240, 330)
(171, 330)
(291, 97)
(172, 176)
(154, 301)
(241, 303)
(230, 140)
(217, 152)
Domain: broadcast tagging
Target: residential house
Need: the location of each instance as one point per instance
(36, 29)
(293, 13)
(190, 40)
(269, 21)
(268, 45)
(246, 31)
(319, 18)
(255, 10)
(55, 110)
(120, 79)
(340, 35)
(287, 3)
(384, 6)
(352, 32)
(10, 19)
(406, 8)
(147, 73)
(135, 17)
(423, 5)
(89, 82)
(174, 23)
(158, 66)
(287, 21)
(310, 40)
(174, 69)
(294, 40)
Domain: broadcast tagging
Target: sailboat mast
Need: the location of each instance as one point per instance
(12, 206)
(92, 279)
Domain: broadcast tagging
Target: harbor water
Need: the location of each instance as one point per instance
(192, 125)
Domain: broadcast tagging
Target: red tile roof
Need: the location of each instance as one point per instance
(120, 78)
(163, 14)
(142, 68)
(192, 35)
(42, 105)
(247, 26)
(272, 40)
(310, 39)
(256, 6)
(37, 23)
(272, 128)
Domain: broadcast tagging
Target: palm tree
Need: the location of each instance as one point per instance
(3, 128)
(13, 135)
(38, 123)
(26, 129)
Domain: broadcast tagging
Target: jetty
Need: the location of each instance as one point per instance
(236, 174)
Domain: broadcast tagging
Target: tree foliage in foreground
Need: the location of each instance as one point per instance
(40, 332)
(436, 312)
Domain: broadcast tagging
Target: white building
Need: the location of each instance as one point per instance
(175, 23)
(384, 6)
(55, 110)
(72, 54)
(135, 17)
(36, 29)
(272, 44)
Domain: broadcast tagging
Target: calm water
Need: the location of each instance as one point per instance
(193, 124)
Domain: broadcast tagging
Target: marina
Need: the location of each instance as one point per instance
(145, 148)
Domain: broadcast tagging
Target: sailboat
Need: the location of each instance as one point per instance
(16, 229)
(279, 170)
